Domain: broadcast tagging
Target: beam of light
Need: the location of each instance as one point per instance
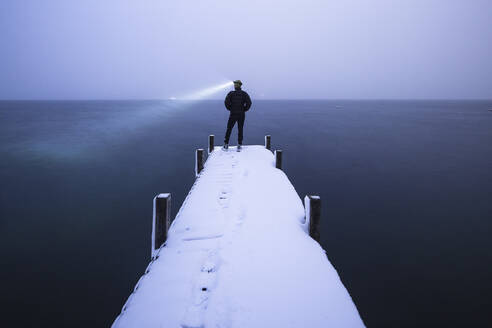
(86, 138)
(207, 92)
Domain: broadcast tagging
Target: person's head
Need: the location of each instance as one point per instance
(237, 84)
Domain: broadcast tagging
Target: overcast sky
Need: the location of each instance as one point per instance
(115, 49)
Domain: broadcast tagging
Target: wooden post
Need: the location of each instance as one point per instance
(198, 161)
(210, 143)
(312, 207)
(268, 143)
(278, 159)
(161, 221)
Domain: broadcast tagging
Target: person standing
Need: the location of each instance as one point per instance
(237, 103)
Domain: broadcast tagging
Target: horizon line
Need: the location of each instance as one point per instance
(257, 99)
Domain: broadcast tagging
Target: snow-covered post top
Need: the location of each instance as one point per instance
(161, 221)
(278, 159)
(198, 161)
(268, 142)
(312, 206)
(211, 143)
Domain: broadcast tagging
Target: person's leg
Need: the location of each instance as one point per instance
(240, 124)
(230, 125)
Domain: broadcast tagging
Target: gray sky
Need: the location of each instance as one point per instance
(115, 49)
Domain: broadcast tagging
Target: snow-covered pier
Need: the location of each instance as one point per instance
(239, 254)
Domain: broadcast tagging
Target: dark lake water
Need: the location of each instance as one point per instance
(406, 189)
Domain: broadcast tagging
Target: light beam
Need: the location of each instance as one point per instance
(207, 92)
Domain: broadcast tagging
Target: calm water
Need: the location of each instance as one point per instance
(406, 188)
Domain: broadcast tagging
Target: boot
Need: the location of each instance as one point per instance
(226, 146)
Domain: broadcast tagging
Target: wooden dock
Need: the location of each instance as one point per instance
(242, 252)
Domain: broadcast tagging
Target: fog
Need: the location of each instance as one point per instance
(281, 49)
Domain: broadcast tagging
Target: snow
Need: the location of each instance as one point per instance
(238, 255)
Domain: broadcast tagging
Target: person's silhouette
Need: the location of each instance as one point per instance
(238, 103)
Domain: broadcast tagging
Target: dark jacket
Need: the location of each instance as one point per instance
(237, 101)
